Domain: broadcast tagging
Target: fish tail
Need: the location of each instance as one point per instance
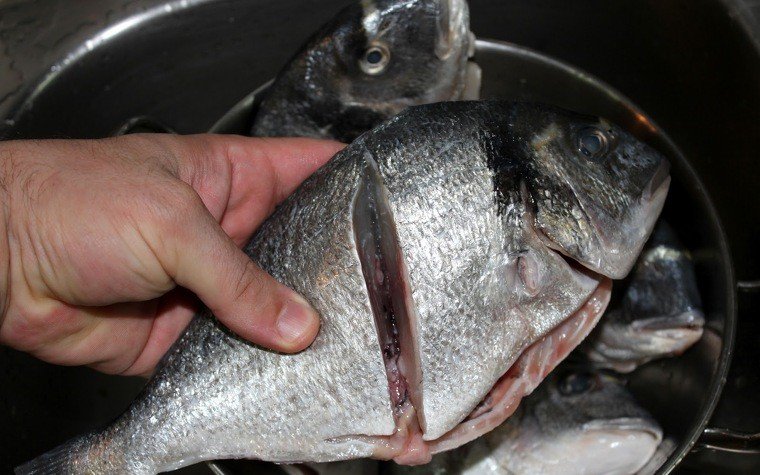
(96, 452)
(57, 461)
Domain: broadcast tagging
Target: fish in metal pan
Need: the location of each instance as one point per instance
(659, 313)
(576, 422)
(374, 59)
(456, 254)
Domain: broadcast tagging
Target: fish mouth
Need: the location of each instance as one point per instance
(624, 347)
(638, 424)
(613, 446)
(689, 320)
(453, 21)
(455, 39)
(672, 334)
(619, 249)
(622, 445)
(619, 253)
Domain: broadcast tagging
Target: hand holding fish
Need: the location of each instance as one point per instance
(100, 234)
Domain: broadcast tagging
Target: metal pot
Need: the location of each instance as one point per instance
(183, 63)
(680, 392)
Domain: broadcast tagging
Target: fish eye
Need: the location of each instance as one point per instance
(593, 142)
(375, 59)
(577, 383)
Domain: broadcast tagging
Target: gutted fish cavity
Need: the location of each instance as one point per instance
(388, 289)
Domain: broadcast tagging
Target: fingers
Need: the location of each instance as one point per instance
(159, 202)
(109, 338)
(174, 312)
(262, 173)
(199, 256)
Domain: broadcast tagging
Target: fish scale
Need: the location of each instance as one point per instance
(467, 310)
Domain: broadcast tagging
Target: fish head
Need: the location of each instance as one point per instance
(597, 189)
(502, 195)
(371, 61)
(588, 423)
(661, 301)
(406, 52)
(656, 313)
(387, 55)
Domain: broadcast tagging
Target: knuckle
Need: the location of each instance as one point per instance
(28, 330)
(186, 199)
(175, 204)
(254, 290)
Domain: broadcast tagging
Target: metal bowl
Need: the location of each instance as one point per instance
(680, 392)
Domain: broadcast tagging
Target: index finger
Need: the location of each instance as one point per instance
(262, 173)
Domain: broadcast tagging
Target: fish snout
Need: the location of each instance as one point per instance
(643, 425)
(453, 28)
(689, 319)
(621, 445)
(672, 334)
(621, 242)
(659, 182)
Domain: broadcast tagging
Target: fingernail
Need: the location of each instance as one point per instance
(296, 319)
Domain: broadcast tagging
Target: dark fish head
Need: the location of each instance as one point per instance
(373, 60)
(658, 311)
(597, 189)
(589, 423)
(401, 53)
(662, 297)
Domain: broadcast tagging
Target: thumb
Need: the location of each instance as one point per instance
(243, 297)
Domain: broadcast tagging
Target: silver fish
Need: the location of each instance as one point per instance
(374, 59)
(577, 422)
(660, 312)
(454, 254)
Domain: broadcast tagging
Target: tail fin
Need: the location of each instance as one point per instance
(54, 462)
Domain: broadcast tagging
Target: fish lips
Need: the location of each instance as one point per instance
(641, 425)
(674, 333)
(619, 243)
(620, 445)
(689, 320)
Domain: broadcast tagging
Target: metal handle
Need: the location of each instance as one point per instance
(727, 440)
(748, 285)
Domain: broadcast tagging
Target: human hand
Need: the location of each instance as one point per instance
(95, 235)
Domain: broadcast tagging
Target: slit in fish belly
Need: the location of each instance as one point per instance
(385, 276)
(394, 312)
